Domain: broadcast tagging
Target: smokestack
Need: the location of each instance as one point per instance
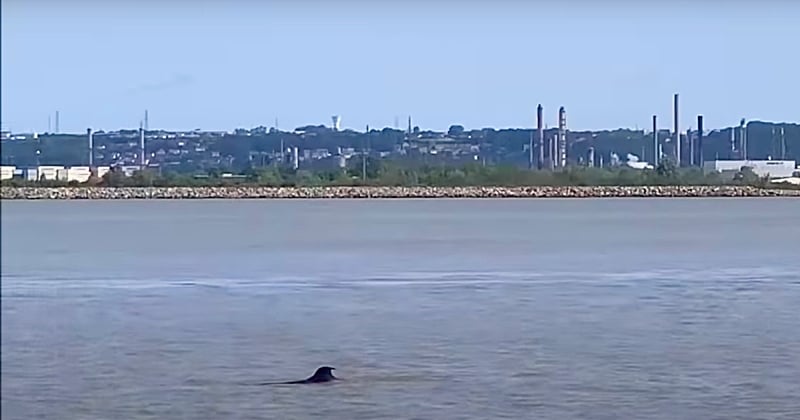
(590, 157)
(141, 147)
(656, 154)
(540, 132)
(700, 158)
(677, 132)
(364, 158)
(743, 138)
(146, 122)
(530, 152)
(783, 145)
(90, 136)
(562, 137)
(57, 131)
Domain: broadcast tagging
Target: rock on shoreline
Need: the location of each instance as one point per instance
(248, 192)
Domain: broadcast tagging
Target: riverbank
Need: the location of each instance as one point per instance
(242, 192)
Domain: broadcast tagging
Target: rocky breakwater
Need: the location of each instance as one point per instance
(254, 192)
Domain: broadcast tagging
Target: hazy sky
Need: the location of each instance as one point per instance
(243, 63)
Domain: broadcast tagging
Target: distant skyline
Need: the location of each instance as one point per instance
(239, 64)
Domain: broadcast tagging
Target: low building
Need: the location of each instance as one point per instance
(55, 173)
(129, 170)
(100, 171)
(7, 172)
(30, 174)
(638, 165)
(769, 168)
(794, 180)
(75, 174)
(46, 173)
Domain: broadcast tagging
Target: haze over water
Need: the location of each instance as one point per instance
(643, 308)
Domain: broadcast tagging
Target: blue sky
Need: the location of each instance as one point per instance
(221, 65)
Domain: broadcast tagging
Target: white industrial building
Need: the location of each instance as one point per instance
(769, 168)
(46, 173)
(127, 170)
(75, 173)
(7, 172)
(794, 180)
(102, 170)
(58, 173)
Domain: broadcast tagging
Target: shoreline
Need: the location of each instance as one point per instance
(256, 192)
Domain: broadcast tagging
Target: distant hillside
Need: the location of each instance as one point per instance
(507, 146)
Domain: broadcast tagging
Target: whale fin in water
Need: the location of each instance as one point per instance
(323, 374)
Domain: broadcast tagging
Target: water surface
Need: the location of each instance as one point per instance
(603, 309)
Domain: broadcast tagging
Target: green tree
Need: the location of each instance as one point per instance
(114, 178)
(269, 176)
(373, 167)
(455, 130)
(667, 169)
(143, 178)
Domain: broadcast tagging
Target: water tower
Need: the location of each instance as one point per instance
(337, 121)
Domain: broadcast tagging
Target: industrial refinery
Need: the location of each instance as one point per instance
(684, 149)
(315, 147)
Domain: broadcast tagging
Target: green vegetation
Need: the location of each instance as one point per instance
(387, 173)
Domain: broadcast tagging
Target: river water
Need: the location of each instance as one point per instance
(457, 309)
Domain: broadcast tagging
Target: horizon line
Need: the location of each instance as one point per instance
(371, 129)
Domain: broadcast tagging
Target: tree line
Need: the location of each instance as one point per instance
(375, 172)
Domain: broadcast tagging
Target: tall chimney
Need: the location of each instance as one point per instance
(783, 145)
(743, 138)
(700, 157)
(57, 129)
(676, 131)
(90, 137)
(590, 157)
(363, 157)
(540, 133)
(656, 154)
(530, 152)
(562, 137)
(141, 147)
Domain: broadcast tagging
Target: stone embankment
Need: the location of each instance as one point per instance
(242, 192)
